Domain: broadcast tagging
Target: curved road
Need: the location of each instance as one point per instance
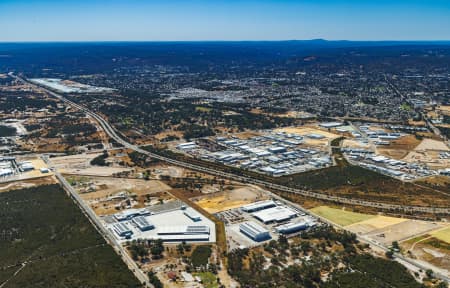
(244, 179)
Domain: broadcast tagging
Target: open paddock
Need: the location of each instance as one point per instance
(403, 231)
(378, 222)
(340, 216)
(442, 234)
(308, 130)
(230, 199)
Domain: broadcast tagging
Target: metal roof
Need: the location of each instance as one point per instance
(277, 214)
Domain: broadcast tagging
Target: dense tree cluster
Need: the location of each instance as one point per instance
(303, 261)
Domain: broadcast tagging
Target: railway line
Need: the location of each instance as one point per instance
(109, 130)
(106, 126)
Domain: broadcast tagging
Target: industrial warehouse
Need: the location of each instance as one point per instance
(255, 223)
(172, 222)
(254, 231)
(12, 169)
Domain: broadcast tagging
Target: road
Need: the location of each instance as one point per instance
(412, 264)
(107, 234)
(244, 179)
(240, 178)
(430, 125)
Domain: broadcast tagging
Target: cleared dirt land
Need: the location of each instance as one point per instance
(433, 248)
(380, 228)
(217, 202)
(430, 144)
(427, 152)
(80, 165)
(403, 231)
(399, 148)
(377, 222)
(107, 186)
(106, 194)
(306, 130)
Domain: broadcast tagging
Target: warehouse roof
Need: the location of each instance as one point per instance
(258, 205)
(192, 214)
(253, 228)
(184, 230)
(142, 222)
(275, 214)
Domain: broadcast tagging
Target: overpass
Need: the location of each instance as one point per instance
(111, 131)
(231, 176)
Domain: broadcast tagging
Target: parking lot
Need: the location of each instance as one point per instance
(235, 217)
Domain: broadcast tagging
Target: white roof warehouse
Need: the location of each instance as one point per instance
(275, 214)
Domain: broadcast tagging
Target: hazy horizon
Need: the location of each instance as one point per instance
(219, 20)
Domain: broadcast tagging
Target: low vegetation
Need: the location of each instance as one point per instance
(44, 229)
(100, 159)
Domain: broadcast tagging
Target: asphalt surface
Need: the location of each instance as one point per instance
(244, 179)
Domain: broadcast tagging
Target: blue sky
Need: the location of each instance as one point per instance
(155, 20)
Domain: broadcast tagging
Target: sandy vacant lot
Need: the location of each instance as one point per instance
(378, 222)
(399, 148)
(429, 157)
(80, 165)
(430, 144)
(403, 231)
(382, 229)
(217, 202)
(444, 109)
(349, 143)
(110, 186)
(27, 183)
(305, 130)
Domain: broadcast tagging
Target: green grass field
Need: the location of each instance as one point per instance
(341, 217)
(443, 235)
(43, 227)
(209, 280)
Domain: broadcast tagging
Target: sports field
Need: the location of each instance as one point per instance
(340, 216)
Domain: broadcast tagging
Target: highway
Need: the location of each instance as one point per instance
(240, 178)
(109, 237)
(398, 257)
(244, 179)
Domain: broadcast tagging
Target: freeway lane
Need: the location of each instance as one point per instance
(244, 179)
(109, 237)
